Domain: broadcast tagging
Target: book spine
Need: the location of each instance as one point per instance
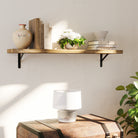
(37, 33)
(32, 31)
(42, 36)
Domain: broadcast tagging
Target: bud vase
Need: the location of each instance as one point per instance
(22, 38)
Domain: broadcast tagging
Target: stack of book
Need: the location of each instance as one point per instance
(101, 45)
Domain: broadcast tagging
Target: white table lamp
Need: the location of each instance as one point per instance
(67, 102)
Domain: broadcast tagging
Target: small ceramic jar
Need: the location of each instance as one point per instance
(22, 38)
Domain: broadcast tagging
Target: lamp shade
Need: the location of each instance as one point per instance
(67, 100)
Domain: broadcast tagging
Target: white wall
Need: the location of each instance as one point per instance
(26, 93)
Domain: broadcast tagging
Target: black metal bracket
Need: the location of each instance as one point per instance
(20, 55)
(102, 59)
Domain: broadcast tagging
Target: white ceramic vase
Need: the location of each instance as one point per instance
(48, 36)
(22, 38)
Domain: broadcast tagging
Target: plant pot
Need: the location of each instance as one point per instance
(22, 38)
(68, 46)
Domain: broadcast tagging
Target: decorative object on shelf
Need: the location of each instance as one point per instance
(102, 44)
(128, 117)
(22, 38)
(99, 43)
(47, 36)
(100, 36)
(67, 102)
(71, 40)
(69, 46)
(36, 27)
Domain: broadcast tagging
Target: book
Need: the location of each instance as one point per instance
(42, 35)
(37, 29)
(101, 43)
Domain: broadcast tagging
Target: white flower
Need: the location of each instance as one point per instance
(70, 35)
(136, 84)
(78, 36)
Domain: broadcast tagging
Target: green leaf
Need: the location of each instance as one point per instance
(121, 122)
(62, 46)
(136, 118)
(131, 112)
(120, 112)
(129, 120)
(117, 118)
(136, 84)
(134, 77)
(133, 93)
(136, 130)
(136, 105)
(135, 124)
(130, 131)
(137, 73)
(123, 98)
(130, 102)
(120, 87)
(126, 128)
(123, 126)
(136, 97)
(124, 115)
(130, 87)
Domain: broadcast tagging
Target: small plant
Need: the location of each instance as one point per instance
(72, 38)
(128, 117)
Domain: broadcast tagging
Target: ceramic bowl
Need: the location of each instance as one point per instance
(101, 35)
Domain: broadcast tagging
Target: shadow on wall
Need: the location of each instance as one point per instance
(13, 94)
(2, 132)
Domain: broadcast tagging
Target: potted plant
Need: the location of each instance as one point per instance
(128, 114)
(71, 40)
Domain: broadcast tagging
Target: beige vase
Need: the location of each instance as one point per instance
(22, 38)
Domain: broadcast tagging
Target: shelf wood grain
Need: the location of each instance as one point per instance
(63, 51)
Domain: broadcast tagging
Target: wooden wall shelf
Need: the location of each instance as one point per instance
(21, 52)
(63, 51)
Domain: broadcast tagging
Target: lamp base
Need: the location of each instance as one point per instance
(66, 116)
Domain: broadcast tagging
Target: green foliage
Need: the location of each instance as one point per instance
(131, 87)
(134, 77)
(123, 99)
(120, 87)
(63, 42)
(128, 119)
(120, 112)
